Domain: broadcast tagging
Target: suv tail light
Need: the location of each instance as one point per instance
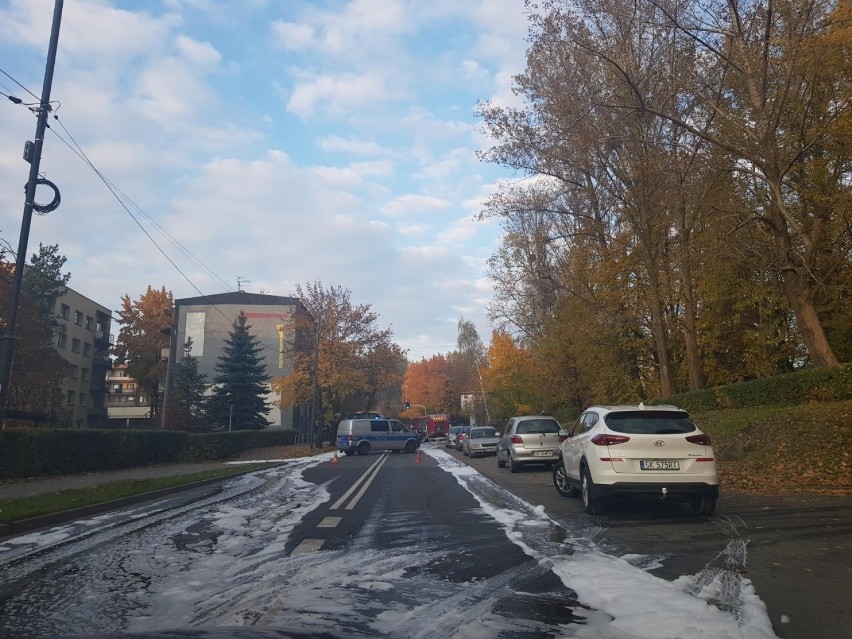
(609, 440)
(562, 437)
(515, 439)
(702, 440)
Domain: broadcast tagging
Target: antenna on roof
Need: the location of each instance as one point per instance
(240, 282)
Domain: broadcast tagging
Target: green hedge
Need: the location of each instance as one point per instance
(36, 452)
(809, 385)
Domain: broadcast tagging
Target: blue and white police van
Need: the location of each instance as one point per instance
(363, 436)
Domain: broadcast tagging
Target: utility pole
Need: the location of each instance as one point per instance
(7, 343)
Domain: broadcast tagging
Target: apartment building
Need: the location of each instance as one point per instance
(85, 345)
(208, 320)
(126, 406)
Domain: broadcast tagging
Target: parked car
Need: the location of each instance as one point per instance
(450, 441)
(465, 430)
(482, 440)
(529, 439)
(637, 450)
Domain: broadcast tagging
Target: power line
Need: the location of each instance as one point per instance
(37, 99)
(126, 203)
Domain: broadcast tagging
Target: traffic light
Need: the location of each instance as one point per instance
(407, 405)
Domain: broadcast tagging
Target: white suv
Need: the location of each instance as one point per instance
(637, 450)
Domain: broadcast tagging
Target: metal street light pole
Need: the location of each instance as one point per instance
(7, 344)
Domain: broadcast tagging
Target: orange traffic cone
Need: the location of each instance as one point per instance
(335, 460)
(417, 459)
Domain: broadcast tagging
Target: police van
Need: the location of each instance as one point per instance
(365, 435)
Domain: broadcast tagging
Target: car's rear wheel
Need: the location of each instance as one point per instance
(592, 503)
(363, 448)
(410, 446)
(703, 505)
(514, 466)
(348, 452)
(560, 481)
(500, 462)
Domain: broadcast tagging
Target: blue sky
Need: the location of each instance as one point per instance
(281, 142)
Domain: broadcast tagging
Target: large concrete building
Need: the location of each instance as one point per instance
(274, 321)
(85, 345)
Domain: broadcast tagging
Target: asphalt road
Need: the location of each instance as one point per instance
(796, 549)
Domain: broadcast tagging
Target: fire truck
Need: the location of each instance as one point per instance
(431, 426)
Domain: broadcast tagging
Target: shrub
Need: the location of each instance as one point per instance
(28, 452)
(801, 387)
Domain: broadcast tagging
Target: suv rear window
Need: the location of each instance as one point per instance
(649, 422)
(477, 433)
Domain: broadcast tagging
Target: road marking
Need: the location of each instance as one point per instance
(329, 522)
(307, 546)
(367, 475)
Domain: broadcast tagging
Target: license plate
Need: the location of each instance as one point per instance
(541, 453)
(659, 464)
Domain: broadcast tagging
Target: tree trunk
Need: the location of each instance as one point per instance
(800, 295)
(693, 354)
(660, 339)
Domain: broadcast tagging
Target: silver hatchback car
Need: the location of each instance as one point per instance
(482, 440)
(529, 439)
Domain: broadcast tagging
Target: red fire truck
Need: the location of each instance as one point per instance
(431, 426)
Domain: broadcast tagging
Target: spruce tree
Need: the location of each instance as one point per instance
(241, 383)
(187, 402)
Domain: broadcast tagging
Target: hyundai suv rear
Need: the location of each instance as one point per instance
(637, 450)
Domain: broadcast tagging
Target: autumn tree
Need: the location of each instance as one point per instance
(427, 384)
(473, 352)
(781, 89)
(144, 333)
(511, 379)
(187, 396)
(351, 365)
(238, 401)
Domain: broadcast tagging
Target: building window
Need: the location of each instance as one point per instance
(79, 423)
(75, 345)
(69, 398)
(65, 311)
(62, 340)
(73, 371)
(87, 349)
(82, 401)
(84, 374)
(78, 318)
(90, 321)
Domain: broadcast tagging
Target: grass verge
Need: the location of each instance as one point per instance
(778, 450)
(17, 509)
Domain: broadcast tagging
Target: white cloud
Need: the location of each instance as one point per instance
(291, 35)
(351, 145)
(336, 94)
(412, 203)
(197, 52)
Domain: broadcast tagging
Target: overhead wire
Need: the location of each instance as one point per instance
(121, 197)
(118, 192)
(118, 195)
